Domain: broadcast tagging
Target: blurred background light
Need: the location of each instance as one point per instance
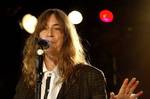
(75, 17)
(106, 16)
(28, 23)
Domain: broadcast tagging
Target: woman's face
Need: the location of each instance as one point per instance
(54, 34)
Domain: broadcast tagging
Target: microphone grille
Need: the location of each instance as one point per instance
(43, 43)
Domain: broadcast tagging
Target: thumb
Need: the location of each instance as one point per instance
(112, 95)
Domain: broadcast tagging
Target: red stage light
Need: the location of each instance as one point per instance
(106, 16)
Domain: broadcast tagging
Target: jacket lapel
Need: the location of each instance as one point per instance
(67, 85)
(63, 91)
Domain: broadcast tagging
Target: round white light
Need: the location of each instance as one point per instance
(29, 22)
(75, 17)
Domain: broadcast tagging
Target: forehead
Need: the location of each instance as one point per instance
(52, 20)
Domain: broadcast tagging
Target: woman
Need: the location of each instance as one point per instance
(72, 77)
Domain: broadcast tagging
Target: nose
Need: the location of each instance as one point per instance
(49, 33)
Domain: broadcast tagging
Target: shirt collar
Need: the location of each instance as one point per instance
(54, 71)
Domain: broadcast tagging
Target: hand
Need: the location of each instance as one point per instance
(127, 89)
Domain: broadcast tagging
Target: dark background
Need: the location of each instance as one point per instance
(120, 49)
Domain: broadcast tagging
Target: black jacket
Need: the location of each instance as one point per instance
(87, 82)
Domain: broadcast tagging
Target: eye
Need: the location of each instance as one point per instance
(46, 28)
(57, 29)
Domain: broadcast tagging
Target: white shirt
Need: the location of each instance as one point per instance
(54, 85)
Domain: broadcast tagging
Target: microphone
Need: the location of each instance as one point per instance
(44, 44)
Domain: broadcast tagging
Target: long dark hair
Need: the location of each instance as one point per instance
(72, 51)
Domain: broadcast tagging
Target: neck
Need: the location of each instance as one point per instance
(50, 62)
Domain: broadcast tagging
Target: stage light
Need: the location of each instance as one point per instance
(75, 17)
(106, 16)
(29, 22)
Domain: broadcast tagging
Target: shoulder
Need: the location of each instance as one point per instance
(22, 90)
(88, 69)
(90, 74)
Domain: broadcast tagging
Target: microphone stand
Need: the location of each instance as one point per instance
(43, 44)
(39, 73)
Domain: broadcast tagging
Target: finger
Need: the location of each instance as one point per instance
(129, 86)
(133, 87)
(139, 94)
(123, 87)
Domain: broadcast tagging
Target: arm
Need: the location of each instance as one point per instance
(22, 91)
(19, 94)
(97, 84)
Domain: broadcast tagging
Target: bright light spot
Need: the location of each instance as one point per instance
(40, 51)
(106, 16)
(75, 17)
(29, 22)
